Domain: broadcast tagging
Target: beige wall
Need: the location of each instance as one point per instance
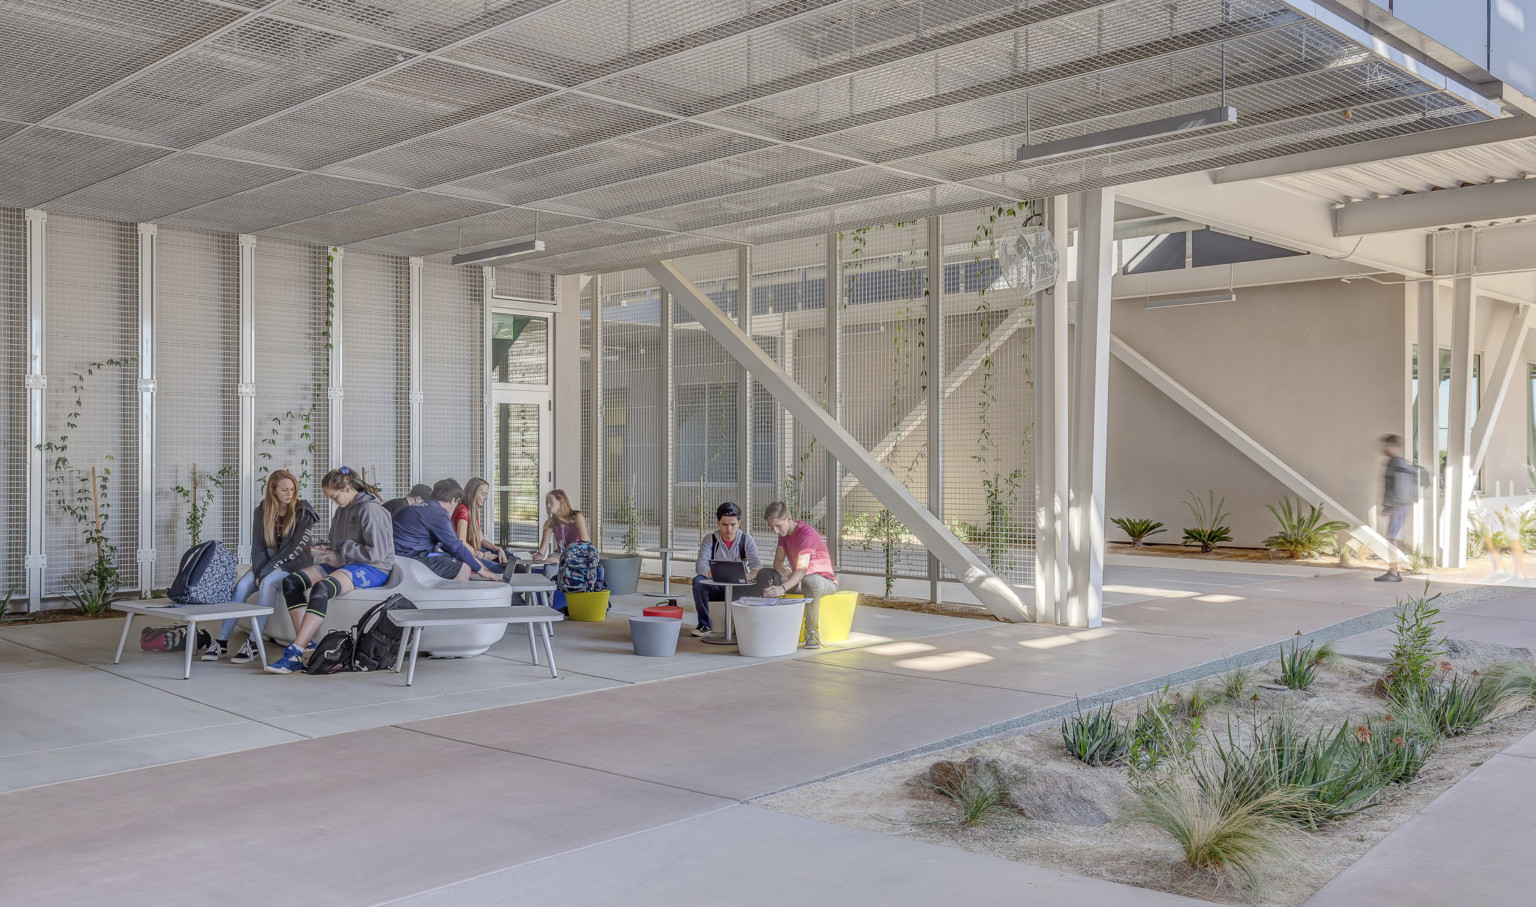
(1311, 371)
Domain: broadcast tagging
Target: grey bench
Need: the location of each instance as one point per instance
(414, 621)
(191, 615)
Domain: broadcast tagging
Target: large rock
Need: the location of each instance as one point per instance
(950, 777)
(1469, 654)
(1062, 797)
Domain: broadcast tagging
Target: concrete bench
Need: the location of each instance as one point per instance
(191, 615)
(427, 591)
(416, 622)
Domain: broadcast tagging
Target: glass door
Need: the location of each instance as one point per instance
(520, 476)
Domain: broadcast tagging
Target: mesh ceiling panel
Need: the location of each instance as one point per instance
(395, 214)
(297, 198)
(173, 183)
(42, 164)
(420, 24)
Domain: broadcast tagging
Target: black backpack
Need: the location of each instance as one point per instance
(378, 637)
(205, 576)
(332, 655)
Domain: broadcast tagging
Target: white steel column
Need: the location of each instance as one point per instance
(1458, 469)
(487, 420)
(147, 268)
(594, 507)
(834, 346)
(417, 394)
(333, 390)
(937, 379)
(1090, 409)
(1052, 430)
(1429, 410)
(744, 388)
(994, 594)
(246, 390)
(37, 404)
(666, 356)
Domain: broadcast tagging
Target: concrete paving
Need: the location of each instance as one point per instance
(367, 816)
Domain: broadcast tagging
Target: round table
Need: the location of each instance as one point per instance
(666, 568)
(729, 639)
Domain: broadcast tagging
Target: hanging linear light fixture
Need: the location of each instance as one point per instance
(1222, 115)
(500, 253)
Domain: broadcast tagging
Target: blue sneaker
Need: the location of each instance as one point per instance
(309, 650)
(291, 661)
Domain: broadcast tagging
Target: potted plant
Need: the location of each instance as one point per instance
(622, 571)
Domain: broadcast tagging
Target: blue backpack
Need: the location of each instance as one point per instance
(580, 570)
(206, 575)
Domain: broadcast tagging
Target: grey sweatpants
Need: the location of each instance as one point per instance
(813, 586)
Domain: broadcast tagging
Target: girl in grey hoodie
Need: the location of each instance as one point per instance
(360, 556)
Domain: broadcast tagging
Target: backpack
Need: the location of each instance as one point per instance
(580, 570)
(206, 575)
(171, 639)
(379, 638)
(333, 654)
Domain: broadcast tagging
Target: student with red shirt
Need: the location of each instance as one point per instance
(466, 525)
(801, 561)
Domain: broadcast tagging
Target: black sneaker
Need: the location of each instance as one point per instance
(1389, 577)
(247, 653)
(701, 631)
(215, 650)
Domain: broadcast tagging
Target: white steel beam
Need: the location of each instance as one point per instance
(1272, 215)
(833, 518)
(744, 387)
(487, 407)
(1458, 469)
(37, 404)
(1246, 445)
(1090, 410)
(246, 391)
(1496, 385)
(594, 507)
(418, 395)
(1052, 431)
(1378, 150)
(1429, 410)
(990, 590)
(937, 368)
(666, 342)
(1440, 208)
(147, 273)
(334, 376)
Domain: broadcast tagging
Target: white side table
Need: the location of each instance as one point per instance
(729, 639)
(191, 615)
(666, 568)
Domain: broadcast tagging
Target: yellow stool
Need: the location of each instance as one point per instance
(588, 606)
(836, 616)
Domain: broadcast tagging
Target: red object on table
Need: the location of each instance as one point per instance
(672, 611)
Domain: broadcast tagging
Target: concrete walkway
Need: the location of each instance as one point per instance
(624, 769)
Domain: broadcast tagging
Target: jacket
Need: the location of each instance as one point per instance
(292, 554)
(363, 533)
(711, 548)
(423, 529)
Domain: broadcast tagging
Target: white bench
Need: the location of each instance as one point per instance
(415, 621)
(536, 584)
(191, 615)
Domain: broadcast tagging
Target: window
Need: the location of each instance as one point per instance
(519, 349)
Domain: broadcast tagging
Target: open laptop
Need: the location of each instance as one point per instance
(728, 571)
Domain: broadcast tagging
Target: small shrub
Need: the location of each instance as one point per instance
(1210, 527)
(1327, 656)
(1218, 833)
(1393, 750)
(1415, 650)
(1198, 700)
(93, 590)
(1461, 705)
(980, 792)
(1303, 531)
(1326, 769)
(1298, 667)
(1475, 547)
(1095, 738)
(1138, 529)
(1514, 682)
(1157, 737)
(1236, 683)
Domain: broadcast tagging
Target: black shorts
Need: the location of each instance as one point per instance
(444, 565)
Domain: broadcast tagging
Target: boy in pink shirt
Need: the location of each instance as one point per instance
(801, 561)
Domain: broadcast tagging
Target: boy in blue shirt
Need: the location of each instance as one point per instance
(423, 532)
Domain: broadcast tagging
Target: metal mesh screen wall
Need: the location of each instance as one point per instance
(705, 406)
(585, 346)
(291, 366)
(197, 372)
(92, 288)
(13, 396)
(452, 332)
(375, 334)
(632, 389)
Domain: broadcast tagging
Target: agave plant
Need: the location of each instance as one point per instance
(1210, 527)
(1137, 528)
(1303, 531)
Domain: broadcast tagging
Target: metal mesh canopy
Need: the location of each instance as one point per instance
(627, 130)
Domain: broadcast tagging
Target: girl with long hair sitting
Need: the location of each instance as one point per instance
(466, 525)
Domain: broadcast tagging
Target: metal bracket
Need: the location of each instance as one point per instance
(244, 554)
(245, 390)
(35, 562)
(147, 385)
(418, 397)
(146, 555)
(37, 382)
(335, 393)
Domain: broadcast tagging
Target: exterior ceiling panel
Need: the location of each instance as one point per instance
(1450, 169)
(173, 183)
(424, 96)
(56, 52)
(478, 231)
(394, 214)
(256, 70)
(298, 198)
(423, 25)
(39, 165)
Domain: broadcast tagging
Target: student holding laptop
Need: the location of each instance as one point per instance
(727, 555)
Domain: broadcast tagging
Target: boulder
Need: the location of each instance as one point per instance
(1062, 797)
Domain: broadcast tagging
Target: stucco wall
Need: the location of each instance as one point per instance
(1312, 371)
